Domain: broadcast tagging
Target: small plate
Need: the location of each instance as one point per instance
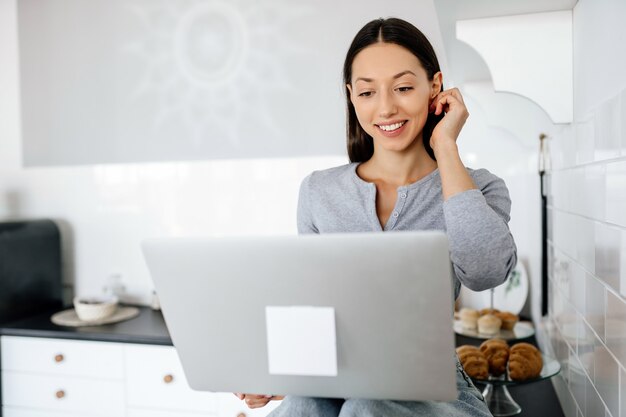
(70, 319)
(522, 330)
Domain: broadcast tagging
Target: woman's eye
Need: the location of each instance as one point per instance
(365, 94)
(403, 89)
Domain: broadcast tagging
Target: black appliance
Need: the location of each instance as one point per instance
(30, 268)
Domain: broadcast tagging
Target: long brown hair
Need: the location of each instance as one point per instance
(400, 32)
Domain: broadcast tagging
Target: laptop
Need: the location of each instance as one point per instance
(364, 315)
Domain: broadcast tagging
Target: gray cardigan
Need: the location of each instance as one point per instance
(482, 249)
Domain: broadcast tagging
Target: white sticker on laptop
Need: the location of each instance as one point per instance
(301, 340)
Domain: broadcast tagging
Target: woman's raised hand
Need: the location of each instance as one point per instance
(257, 401)
(448, 129)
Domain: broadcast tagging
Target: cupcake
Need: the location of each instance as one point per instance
(508, 319)
(469, 318)
(488, 311)
(489, 324)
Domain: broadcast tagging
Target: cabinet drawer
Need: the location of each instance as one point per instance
(27, 412)
(63, 394)
(155, 380)
(62, 357)
(138, 412)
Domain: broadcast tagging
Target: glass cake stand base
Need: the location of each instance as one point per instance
(499, 401)
(497, 395)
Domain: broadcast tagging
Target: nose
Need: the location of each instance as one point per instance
(387, 107)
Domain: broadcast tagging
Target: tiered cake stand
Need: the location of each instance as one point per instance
(496, 393)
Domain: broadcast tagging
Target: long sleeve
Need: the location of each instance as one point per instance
(304, 215)
(482, 249)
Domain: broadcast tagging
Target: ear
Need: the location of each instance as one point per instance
(349, 87)
(435, 85)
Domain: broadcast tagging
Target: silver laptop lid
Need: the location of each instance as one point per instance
(389, 296)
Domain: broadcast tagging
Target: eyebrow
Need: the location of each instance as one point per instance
(398, 75)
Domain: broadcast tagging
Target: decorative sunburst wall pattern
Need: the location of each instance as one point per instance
(108, 81)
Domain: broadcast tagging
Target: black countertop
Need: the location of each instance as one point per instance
(537, 399)
(147, 328)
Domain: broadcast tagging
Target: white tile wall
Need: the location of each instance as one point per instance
(616, 193)
(587, 223)
(594, 406)
(595, 305)
(607, 125)
(622, 392)
(606, 378)
(607, 256)
(587, 262)
(615, 326)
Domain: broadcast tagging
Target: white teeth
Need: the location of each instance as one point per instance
(389, 128)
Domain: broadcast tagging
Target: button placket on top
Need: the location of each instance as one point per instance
(397, 210)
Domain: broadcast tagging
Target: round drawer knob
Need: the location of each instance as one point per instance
(60, 394)
(59, 358)
(168, 378)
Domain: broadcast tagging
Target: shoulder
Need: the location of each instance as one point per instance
(329, 179)
(486, 181)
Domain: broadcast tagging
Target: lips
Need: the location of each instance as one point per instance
(393, 129)
(390, 127)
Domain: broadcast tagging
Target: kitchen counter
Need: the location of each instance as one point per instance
(147, 328)
(537, 399)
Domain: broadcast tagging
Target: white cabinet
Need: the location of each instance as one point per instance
(62, 357)
(59, 376)
(155, 379)
(27, 412)
(63, 378)
(63, 394)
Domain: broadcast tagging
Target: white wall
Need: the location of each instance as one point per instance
(502, 135)
(105, 210)
(586, 329)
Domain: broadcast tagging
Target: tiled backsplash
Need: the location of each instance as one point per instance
(586, 326)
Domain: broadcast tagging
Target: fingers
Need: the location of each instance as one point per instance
(257, 401)
(441, 103)
(454, 92)
(444, 100)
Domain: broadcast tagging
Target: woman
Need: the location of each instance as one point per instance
(406, 174)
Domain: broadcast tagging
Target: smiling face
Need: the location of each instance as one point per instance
(391, 93)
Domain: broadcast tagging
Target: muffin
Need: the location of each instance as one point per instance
(497, 353)
(489, 324)
(508, 319)
(469, 318)
(525, 362)
(485, 311)
(473, 361)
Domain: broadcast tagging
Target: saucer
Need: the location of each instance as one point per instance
(70, 319)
